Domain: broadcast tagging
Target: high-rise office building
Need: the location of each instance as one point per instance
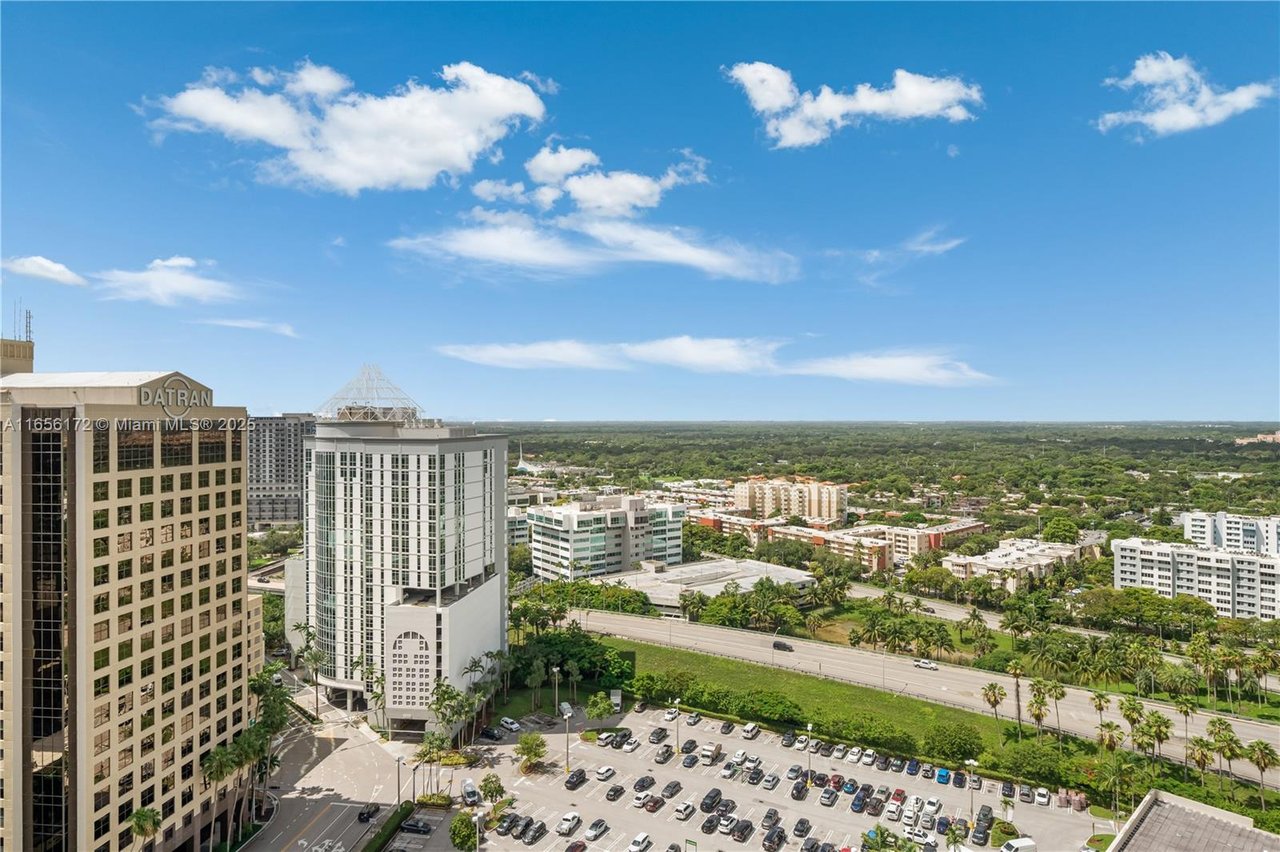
(128, 634)
(275, 468)
(405, 544)
(604, 535)
(1233, 532)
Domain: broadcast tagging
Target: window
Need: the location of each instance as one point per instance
(145, 485)
(101, 491)
(102, 449)
(124, 488)
(175, 447)
(135, 448)
(146, 511)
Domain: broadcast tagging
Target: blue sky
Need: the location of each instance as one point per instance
(998, 211)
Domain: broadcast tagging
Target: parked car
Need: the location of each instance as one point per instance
(917, 835)
(685, 810)
(985, 816)
(657, 735)
(505, 823)
(815, 746)
(730, 769)
(726, 727)
(644, 782)
(794, 772)
(710, 800)
(975, 782)
(631, 745)
(1042, 796)
(596, 830)
(510, 724)
(944, 775)
(575, 779)
(875, 807)
(605, 739)
(927, 821)
(615, 792)
(882, 762)
(491, 734)
(654, 804)
(819, 779)
(913, 767)
(604, 773)
(981, 834)
(750, 731)
(927, 771)
(568, 824)
(943, 824)
(664, 754)
(727, 822)
(368, 812)
(1025, 794)
(799, 790)
(671, 715)
(828, 797)
(521, 826)
(898, 764)
(849, 786)
(671, 790)
(802, 827)
(827, 750)
(534, 833)
(689, 746)
(773, 839)
(742, 830)
(925, 664)
(840, 751)
(770, 781)
(690, 761)
(620, 738)
(810, 844)
(755, 776)
(639, 800)
(869, 757)
(899, 796)
(859, 803)
(710, 824)
(640, 843)
(789, 739)
(835, 782)
(770, 818)
(694, 718)
(933, 805)
(801, 742)
(854, 755)
(726, 806)
(1007, 789)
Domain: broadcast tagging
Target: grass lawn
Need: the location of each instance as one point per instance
(1100, 841)
(1100, 812)
(805, 690)
(845, 617)
(520, 702)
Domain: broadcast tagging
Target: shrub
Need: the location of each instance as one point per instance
(389, 828)
(435, 800)
(955, 742)
(996, 661)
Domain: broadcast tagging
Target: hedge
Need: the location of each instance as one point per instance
(389, 828)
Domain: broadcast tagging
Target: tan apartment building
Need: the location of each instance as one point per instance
(768, 498)
(871, 553)
(127, 634)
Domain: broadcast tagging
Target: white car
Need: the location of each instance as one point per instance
(839, 752)
(568, 824)
(605, 738)
(916, 804)
(604, 773)
(893, 811)
(752, 762)
(933, 806)
(739, 756)
(671, 715)
(631, 745)
(925, 664)
(918, 835)
(685, 810)
(639, 800)
(868, 757)
(640, 843)
(509, 723)
(597, 829)
(730, 769)
(770, 781)
(854, 755)
(727, 822)
(1042, 796)
(909, 815)
(802, 742)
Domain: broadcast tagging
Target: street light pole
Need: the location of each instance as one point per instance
(476, 820)
(972, 764)
(399, 763)
(567, 717)
(555, 680)
(809, 776)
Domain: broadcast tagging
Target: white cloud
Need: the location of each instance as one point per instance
(904, 367)
(530, 356)
(166, 282)
(512, 243)
(283, 329)
(494, 190)
(552, 166)
(1174, 96)
(877, 264)
(628, 241)
(744, 356)
(545, 85)
(338, 139)
(795, 119)
(622, 193)
(928, 242)
(953, 151)
(36, 266)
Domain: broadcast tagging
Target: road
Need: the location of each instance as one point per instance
(954, 685)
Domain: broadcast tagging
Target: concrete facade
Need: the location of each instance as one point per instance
(603, 536)
(1238, 584)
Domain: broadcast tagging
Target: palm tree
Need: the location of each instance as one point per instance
(1230, 749)
(1110, 736)
(1200, 752)
(1101, 701)
(1159, 726)
(994, 694)
(1116, 774)
(314, 658)
(1262, 755)
(1132, 710)
(1142, 740)
(216, 766)
(973, 622)
(1038, 709)
(813, 623)
(954, 837)
(1015, 671)
(983, 642)
(1186, 705)
(144, 823)
(1221, 734)
(1006, 806)
(1057, 692)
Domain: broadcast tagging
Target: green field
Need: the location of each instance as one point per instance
(807, 690)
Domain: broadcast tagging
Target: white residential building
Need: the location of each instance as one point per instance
(1233, 532)
(1238, 584)
(1014, 562)
(517, 526)
(603, 535)
(766, 498)
(909, 541)
(405, 545)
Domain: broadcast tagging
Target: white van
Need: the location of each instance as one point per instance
(751, 731)
(1019, 844)
(566, 709)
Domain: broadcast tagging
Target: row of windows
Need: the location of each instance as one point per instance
(179, 447)
(146, 484)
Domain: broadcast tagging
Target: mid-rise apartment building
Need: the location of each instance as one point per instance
(517, 526)
(907, 542)
(603, 536)
(127, 634)
(275, 468)
(405, 547)
(872, 553)
(1233, 532)
(767, 498)
(754, 530)
(1238, 584)
(1014, 562)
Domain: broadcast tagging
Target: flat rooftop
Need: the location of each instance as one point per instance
(709, 577)
(1168, 826)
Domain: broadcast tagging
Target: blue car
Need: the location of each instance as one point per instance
(913, 766)
(943, 824)
(859, 803)
(850, 786)
(944, 776)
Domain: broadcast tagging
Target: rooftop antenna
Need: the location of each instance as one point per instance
(28, 329)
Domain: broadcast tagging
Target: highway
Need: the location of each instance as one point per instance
(954, 685)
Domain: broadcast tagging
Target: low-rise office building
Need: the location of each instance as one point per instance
(1014, 562)
(605, 535)
(911, 541)
(664, 584)
(517, 526)
(1238, 584)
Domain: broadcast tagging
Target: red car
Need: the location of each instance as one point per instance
(654, 804)
(836, 782)
(899, 796)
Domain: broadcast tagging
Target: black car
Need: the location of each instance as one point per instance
(770, 818)
(802, 827)
(368, 812)
(726, 807)
(755, 776)
(672, 789)
(882, 762)
(820, 779)
(688, 746)
(799, 790)
(534, 833)
(710, 824)
(958, 779)
(875, 807)
(981, 834)
(620, 737)
(826, 749)
(615, 792)
(690, 761)
(520, 827)
(491, 734)
(898, 764)
(810, 844)
(779, 645)
(416, 825)
(664, 754)
(773, 839)
(675, 847)
(913, 767)
(710, 800)
(726, 727)
(985, 816)
(576, 779)
(505, 823)
(1007, 790)
(644, 782)
(657, 735)
(827, 847)
(742, 830)
(788, 739)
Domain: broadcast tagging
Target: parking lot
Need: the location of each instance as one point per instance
(544, 797)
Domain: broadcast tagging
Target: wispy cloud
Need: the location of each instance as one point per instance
(795, 119)
(332, 137)
(167, 282)
(746, 356)
(36, 266)
(283, 329)
(1174, 97)
(875, 266)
